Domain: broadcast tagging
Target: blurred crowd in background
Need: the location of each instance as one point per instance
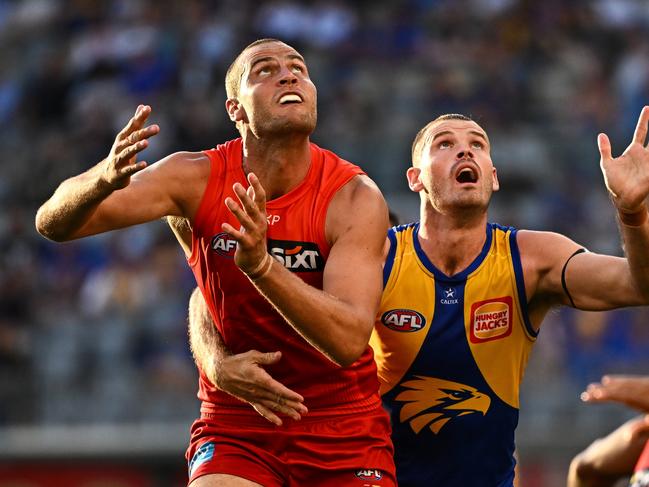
(95, 330)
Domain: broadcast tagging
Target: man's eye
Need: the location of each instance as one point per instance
(264, 71)
(444, 144)
(297, 69)
(478, 145)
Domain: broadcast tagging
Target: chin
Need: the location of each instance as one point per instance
(290, 125)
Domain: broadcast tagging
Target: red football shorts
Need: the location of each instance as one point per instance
(352, 450)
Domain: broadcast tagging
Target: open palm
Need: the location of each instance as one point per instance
(627, 176)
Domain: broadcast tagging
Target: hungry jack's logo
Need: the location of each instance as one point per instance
(434, 402)
(491, 319)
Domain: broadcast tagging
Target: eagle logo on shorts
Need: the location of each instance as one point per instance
(434, 402)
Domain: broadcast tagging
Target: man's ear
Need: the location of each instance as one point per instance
(235, 110)
(414, 183)
(495, 184)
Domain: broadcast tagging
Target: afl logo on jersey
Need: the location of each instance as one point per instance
(369, 474)
(491, 319)
(224, 245)
(406, 320)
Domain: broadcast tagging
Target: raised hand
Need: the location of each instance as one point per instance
(626, 389)
(251, 256)
(244, 377)
(121, 162)
(627, 176)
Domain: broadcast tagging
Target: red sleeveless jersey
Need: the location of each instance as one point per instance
(641, 471)
(296, 238)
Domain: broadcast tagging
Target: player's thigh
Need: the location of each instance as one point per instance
(222, 480)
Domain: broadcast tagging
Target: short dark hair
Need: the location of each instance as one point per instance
(235, 71)
(420, 139)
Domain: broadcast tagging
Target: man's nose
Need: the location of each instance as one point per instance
(288, 78)
(464, 154)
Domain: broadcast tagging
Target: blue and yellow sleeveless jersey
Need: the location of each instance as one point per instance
(451, 352)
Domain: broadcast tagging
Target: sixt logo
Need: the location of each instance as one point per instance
(369, 474)
(406, 320)
(297, 256)
(223, 244)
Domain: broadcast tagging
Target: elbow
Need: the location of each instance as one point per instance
(47, 227)
(346, 359)
(346, 355)
(581, 470)
(354, 348)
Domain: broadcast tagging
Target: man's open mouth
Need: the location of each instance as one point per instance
(290, 98)
(466, 175)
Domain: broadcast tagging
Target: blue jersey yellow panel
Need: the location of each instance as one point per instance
(451, 352)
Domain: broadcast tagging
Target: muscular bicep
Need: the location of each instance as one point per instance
(555, 274)
(599, 282)
(357, 222)
(172, 186)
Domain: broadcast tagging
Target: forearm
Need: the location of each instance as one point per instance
(72, 205)
(205, 341)
(634, 229)
(608, 459)
(330, 324)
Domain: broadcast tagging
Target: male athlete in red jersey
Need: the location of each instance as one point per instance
(286, 248)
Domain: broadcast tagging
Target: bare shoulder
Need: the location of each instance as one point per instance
(185, 174)
(359, 204)
(543, 255)
(544, 249)
(186, 163)
(359, 191)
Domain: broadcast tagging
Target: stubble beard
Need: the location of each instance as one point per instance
(452, 202)
(266, 124)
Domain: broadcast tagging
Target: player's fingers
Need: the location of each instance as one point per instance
(131, 169)
(136, 137)
(128, 128)
(126, 154)
(267, 413)
(233, 232)
(277, 391)
(267, 358)
(604, 146)
(281, 408)
(247, 202)
(260, 193)
(640, 428)
(640, 133)
(136, 122)
(242, 216)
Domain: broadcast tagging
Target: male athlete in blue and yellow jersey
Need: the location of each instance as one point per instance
(451, 350)
(463, 301)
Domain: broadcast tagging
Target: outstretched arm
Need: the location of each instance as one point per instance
(593, 281)
(610, 458)
(120, 191)
(627, 180)
(243, 375)
(338, 319)
(630, 390)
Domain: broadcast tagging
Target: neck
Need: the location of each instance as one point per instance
(280, 163)
(452, 241)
